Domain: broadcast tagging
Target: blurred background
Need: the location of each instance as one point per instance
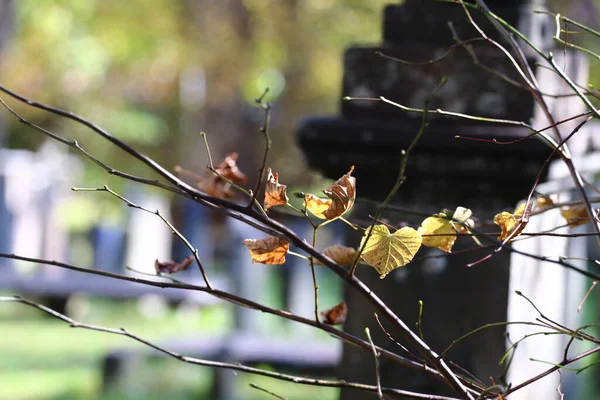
(156, 74)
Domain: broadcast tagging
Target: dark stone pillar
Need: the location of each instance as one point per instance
(442, 173)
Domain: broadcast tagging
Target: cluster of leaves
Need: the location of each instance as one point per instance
(380, 248)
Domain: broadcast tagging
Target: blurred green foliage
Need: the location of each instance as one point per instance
(123, 64)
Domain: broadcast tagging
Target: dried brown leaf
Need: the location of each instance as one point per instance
(271, 250)
(342, 193)
(275, 193)
(342, 255)
(172, 266)
(229, 169)
(335, 315)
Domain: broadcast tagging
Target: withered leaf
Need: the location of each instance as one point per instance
(342, 193)
(216, 186)
(316, 206)
(271, 250)
(510, 224)
(387, 251)
(575, 215)
(335, 315)
(229, 169)
(275, 193)
(172, 266)
(342, 255)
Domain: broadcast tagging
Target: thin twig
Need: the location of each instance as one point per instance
(269, 225)
(265, 129)
(255, 386)
(376, 357)
(159, 215)
(217, 364)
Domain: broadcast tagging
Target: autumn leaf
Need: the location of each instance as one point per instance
(440, 230)
(441, 227)
(387, 251)
(335, 315)
(228, 169)
(271, 250)
(342, 255)
(316, 206)
(214, 185)
(545, 201)
(275, 193)
(172, 266)
(575, 215)
(510, 223)
(341, 193)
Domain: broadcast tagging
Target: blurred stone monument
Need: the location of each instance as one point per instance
(442, 172)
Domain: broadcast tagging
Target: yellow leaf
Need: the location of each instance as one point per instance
(335, 315)
(275, 193)
(387, 251)
(442, 229)
(341, 254)
(342, 193)
(271, 250)
(545, 201)
(575, 215)
(510, 223)
(316, 206)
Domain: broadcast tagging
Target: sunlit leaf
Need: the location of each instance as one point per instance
(172, 266)
(461, 220)
(442, 230)
(316, 206)
(275, 193)
(575, 215)
(510, 224)
(387, 251)
(342, 193)
(271, 250)
(335, 315)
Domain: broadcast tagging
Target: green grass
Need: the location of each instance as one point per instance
(44, 359)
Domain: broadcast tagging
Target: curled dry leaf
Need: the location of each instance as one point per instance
(341, 193)
(271, 250)
(229, 169)
(510, 224)
(387, 251)
(335, 315)
(275, 193)
(342, 255)
(575, 215)
(316, 206)
(440, 230)
(172, 266)
(214, 185)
